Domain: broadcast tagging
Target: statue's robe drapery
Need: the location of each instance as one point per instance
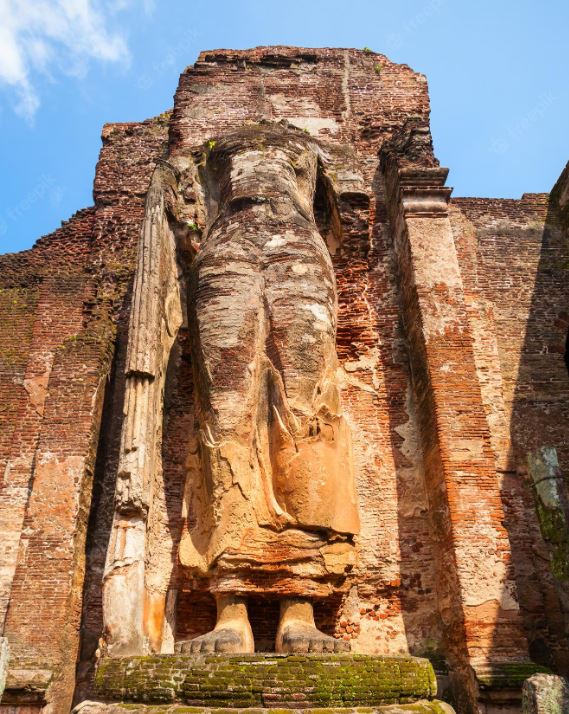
(270, 497)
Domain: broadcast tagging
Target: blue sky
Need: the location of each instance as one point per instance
(497, 74)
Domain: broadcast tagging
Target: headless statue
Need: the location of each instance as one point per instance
(270, 506)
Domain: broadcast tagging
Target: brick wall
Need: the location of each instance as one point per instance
(62, 301)
(514, 259)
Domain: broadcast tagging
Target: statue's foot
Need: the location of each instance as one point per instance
(231, 634)
(298, 633)
(300, 637)
(222, 640)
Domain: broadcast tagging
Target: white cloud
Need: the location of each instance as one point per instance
(50, 37)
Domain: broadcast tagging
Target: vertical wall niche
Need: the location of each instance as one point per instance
(326, 214)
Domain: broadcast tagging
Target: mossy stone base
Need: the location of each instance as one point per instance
(267, 681)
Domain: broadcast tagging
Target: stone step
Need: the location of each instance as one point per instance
(419, 707)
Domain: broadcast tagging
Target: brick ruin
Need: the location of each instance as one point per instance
(453, 340)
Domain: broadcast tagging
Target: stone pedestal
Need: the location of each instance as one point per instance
(235, 682)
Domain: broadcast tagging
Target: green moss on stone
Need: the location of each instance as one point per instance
(553, 526)
(260, 681)
(507, 675)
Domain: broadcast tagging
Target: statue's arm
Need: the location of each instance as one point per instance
(156, 315)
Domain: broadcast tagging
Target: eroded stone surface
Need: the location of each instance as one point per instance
(545, 694)
(274, 447)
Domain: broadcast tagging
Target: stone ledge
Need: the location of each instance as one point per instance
(419, 707)
(27, 684)
(500, 684)
(267, 681)
(507, 675)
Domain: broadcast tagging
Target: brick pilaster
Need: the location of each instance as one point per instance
(476, 591)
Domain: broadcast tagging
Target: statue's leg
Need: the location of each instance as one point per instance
(298, 633)
(311, 455)
(301, 294)
(227, 335)
(312, 466)
(232, 632)
(227, 332)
